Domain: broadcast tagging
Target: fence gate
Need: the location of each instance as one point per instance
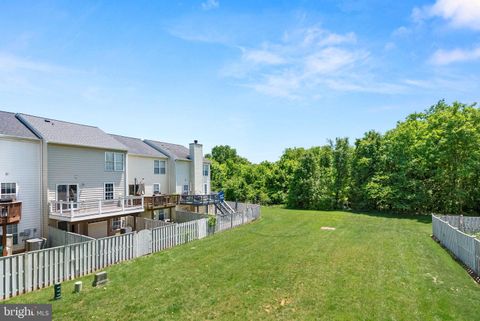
(144, 242)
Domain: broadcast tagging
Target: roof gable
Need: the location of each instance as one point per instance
(138, 147)
(175, 151)
(12, 126)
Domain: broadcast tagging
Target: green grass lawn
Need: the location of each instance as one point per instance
(284, 267)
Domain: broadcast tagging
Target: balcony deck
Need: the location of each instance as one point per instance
(201, 199)
(161, 201)
(14, 212)
(95, 209)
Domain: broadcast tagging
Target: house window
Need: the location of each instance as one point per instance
(114, 162)
(8, 190)
(159, 167)
(185, 189)
(117, 223)
(67, 194)
(156, 188)
(12, 229)
(205, 188)
(159, 215)
(109, 191)
(206, 169)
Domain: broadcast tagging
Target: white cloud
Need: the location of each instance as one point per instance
(11, 62)
(401, 31)
(263, 57)
(306, 62)
(445, 57)
(460, 13)
(210, 4)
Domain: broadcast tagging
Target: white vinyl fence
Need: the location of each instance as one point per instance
(184, 216)
(464, 246)
(57, 237)
(34, 270)
(245, 214)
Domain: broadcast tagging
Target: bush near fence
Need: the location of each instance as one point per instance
(465, 247)
(34, 270)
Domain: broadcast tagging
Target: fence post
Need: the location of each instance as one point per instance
(477, 256)
(27, 272)
(135, 244)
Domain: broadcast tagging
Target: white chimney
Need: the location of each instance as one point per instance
(196, 168)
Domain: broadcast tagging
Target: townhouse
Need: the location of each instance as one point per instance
(148, 175)
(78, 178)
(20, 180)
(190, 172)
(84, 178)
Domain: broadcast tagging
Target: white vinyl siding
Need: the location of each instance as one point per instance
(82, 166)
(182, 175)
(20, 164)
(141, 167)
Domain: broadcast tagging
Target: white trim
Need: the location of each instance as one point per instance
(67, 184)
(16, 188)
(160, 167)
(115, 169)
(104, 191)
(68, 202)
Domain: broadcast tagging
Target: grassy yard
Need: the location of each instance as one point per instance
(284, 267)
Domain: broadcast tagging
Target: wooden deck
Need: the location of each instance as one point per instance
(14, 210)
(161, 201)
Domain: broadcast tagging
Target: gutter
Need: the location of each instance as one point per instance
(43, 176)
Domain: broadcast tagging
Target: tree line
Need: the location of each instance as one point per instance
(430, 162)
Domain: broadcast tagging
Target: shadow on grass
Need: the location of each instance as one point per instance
(421, 218)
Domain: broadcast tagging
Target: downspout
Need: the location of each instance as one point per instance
(43, 176)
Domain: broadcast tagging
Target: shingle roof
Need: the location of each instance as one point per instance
(175, 151)
(11, 126)
(138, 146)
(61, 132)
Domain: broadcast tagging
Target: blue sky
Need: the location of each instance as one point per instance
(259, 76)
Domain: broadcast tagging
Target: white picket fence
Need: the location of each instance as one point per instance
(465, 247)
(34, 270)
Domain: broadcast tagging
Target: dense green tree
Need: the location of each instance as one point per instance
(430, 162)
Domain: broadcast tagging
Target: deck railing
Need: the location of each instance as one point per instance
(201, 199)
(78, 209)
(161, 201)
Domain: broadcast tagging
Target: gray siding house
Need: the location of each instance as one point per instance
(20, 179)
(84, 171)
(190, 171)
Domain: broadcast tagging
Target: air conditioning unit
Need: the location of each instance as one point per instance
(35, 244)
(7, 199)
